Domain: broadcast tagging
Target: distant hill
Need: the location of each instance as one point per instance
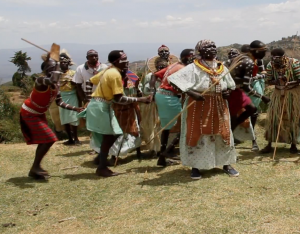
(137, 53)
(9, 83)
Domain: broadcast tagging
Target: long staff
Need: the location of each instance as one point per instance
(279, 126)
(193, 102)
(54, 52)
(116, 162)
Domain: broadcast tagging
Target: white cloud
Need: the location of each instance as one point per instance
(108, 1)
(169, 21)
(3, 20)
(54, 24)
(217, 20)
(284, 7)
(225, 25)
(35, 2)
(85, 24)
(143, 24)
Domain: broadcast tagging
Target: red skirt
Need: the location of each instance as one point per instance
(35, 129)
(237, 101)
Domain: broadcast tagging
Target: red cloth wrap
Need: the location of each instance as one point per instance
(238, 100)
(165, 73)
(35, 128)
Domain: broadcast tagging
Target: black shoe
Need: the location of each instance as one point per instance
(162, 161)
(293, 150)
(230, 171)
(195, 175)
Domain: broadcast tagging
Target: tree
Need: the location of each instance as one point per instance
(20, 60)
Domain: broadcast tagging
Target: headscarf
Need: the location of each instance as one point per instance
(200, 45)
(163, 47)
(65, 57)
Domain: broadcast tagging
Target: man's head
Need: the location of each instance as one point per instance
(278, 57)
(92, 57)
(65, 60)
(119, 59)
(48, 66)
(207, 49)
(187, 56)
(164, 52)
(258, 49)
(160, 63)
(233, 53)
(245, 48)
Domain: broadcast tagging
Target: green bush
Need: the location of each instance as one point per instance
(9, 120)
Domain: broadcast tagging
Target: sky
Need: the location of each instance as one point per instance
(146, 21)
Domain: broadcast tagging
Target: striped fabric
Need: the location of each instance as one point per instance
(295, 71)
(35, 129)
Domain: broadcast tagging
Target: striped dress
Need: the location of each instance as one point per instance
(290, 97)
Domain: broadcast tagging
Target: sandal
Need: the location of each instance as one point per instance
(38, 176)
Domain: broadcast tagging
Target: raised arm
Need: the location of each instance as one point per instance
(247, 80)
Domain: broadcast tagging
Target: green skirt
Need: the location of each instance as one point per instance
(100, 118)
(68, 116)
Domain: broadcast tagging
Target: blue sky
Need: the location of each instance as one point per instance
(159, 21)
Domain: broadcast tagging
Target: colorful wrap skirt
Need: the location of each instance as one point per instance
(35, 128)
(100, 118)
(69, 116)
(168, 106)
(207, 150)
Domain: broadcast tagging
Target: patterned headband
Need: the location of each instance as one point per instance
(259, 49)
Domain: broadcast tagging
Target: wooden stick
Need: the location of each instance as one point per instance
(67, 219)
(35, 45)
(116, 162)
(66, 168)
(278, 132)
(193, 102)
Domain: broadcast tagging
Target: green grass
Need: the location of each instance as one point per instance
(146, 198)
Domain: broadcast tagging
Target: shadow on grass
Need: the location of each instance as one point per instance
(25, 182)
(281, 154)
(121, 160)
(82, 142)
(177, 176)
(82, 176)
(74, 154)
(86, 176)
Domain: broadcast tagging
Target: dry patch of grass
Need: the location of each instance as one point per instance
(147, 199)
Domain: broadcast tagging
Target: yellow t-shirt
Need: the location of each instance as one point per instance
(109, 83)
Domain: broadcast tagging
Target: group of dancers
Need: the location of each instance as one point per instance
(208, 105)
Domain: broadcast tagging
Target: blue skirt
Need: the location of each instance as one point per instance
(100, 118)
(168, 107)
